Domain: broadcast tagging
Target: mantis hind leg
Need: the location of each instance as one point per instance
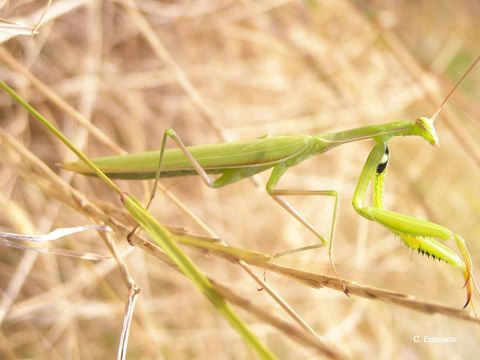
(275, 193)
(170, 133)
(227, 178)
(416, 233)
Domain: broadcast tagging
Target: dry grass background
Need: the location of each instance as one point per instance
(216, 70)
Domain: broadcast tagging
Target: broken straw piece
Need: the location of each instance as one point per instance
(55, 234)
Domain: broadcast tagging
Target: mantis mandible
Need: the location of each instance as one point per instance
(235, 161)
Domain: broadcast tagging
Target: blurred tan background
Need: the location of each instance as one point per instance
(228, 70)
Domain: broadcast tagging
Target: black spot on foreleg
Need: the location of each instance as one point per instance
(384, 161)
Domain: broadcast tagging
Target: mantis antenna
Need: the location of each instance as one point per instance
(435, 115)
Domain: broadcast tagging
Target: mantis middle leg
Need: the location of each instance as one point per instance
(275, 193)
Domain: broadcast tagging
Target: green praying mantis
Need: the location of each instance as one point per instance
(238, 160)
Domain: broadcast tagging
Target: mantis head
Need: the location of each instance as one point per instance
(424, 128)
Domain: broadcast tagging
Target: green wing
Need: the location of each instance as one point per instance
(214, 158)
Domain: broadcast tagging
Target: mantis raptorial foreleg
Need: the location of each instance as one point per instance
(415, 233)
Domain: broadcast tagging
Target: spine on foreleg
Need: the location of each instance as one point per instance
(428, 246)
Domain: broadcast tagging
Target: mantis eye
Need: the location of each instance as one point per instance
(426, 130)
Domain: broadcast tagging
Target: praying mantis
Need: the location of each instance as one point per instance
(234, 161)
